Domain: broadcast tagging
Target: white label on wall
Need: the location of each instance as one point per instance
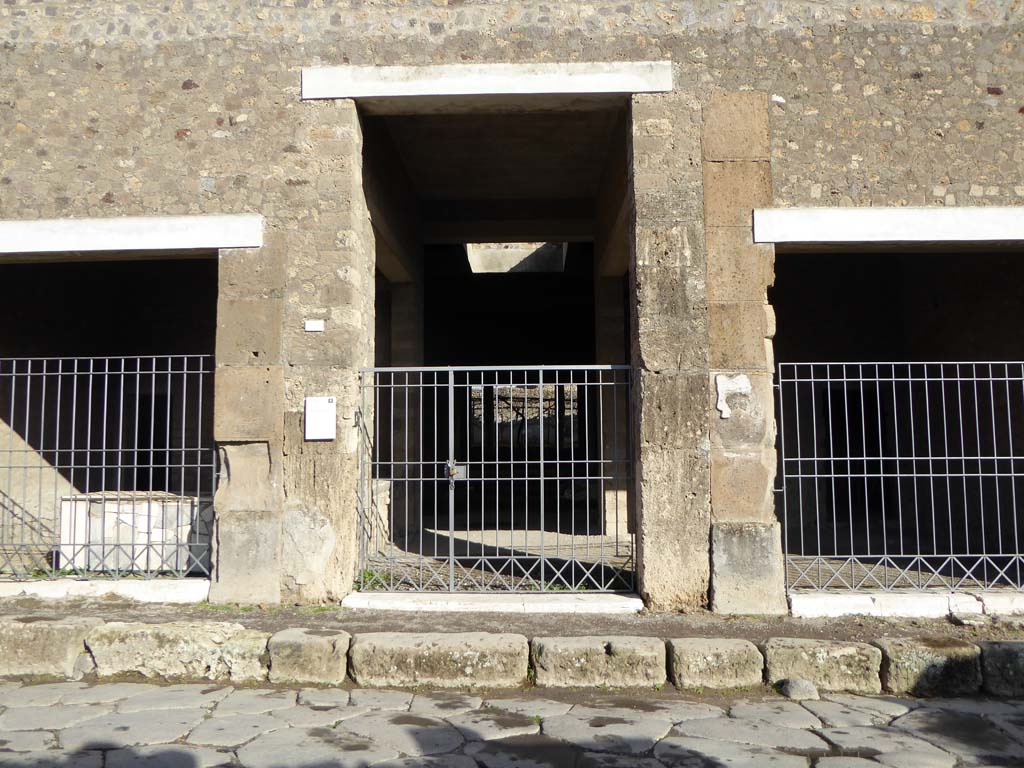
(321, 418)
(314, 326)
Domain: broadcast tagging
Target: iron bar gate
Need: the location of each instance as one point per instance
(107, 466)
(902, 475)
(506, 479)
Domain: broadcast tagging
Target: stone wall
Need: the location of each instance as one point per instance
(111, 109)
(670, 352)
(746, 553)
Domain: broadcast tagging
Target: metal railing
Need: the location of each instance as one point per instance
(496, 479)
(107, 466)
(902, 475)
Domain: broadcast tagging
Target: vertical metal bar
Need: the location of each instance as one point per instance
(118, 488)
(451, 481)
(55, 538)
(781, 389)
(946, 456)
(540, 406)
(983, 551)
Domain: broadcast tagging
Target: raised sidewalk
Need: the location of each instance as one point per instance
(35, 646)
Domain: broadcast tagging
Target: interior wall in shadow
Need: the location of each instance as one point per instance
(905, 307)
(515, 318)
(107, 308)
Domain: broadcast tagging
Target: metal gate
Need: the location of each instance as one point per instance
(902, 475)
(511, 479)
(107, 466)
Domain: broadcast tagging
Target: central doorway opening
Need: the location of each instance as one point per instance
(497, 450)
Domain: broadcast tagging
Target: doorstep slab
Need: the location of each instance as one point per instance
(177, 591)
(884, 604)
(485, 603)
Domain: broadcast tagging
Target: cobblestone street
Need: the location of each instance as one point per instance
(201, 726)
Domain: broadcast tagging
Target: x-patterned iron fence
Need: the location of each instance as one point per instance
(902, 475)
(510, 479)
(107, 466)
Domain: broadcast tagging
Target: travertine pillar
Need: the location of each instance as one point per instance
(746, 559)
(330, 277)
(248, 397)
(669, 352)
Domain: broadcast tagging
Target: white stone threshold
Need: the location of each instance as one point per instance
(493, 603)
(818, 605)
(141, 590)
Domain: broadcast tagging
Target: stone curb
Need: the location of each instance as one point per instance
(72, 648)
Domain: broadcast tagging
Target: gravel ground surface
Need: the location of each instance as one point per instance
(115, 725)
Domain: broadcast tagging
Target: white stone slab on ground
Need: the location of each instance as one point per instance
(484, 603)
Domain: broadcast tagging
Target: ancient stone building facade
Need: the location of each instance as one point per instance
(196, 108)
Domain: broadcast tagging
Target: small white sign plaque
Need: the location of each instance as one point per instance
(321, 418)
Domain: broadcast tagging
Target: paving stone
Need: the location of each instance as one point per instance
(614, 662)
(973, 706)
(178, 696)
(799, 689)
(47, 759)
(930, 667)
(845, 762)
(1002, 666)
(442, 659)
(753, 732)
(971, 737)
(1011, 724)
(324, 697)
(608, 733)
(525, 752)
(26, 741)
(530, 707)
(107, 693)
(129, 730)
(300, 655)
(387, 700)
(685, 752)
(830, 665)
(255, 701)
(409, 733)
(36, 646)
(886, 706)
(603, 760)
(487, 724)
(311, 717)
(312, 748)
(54, 717)
(715, 663)
(168, 756)
(787, 714)
(636, 707)
(835, 715)
(875, 740)
(443, 704)
(211, 650)
(435, 761)
(44, 695)
(913, 759)
(233, 730)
